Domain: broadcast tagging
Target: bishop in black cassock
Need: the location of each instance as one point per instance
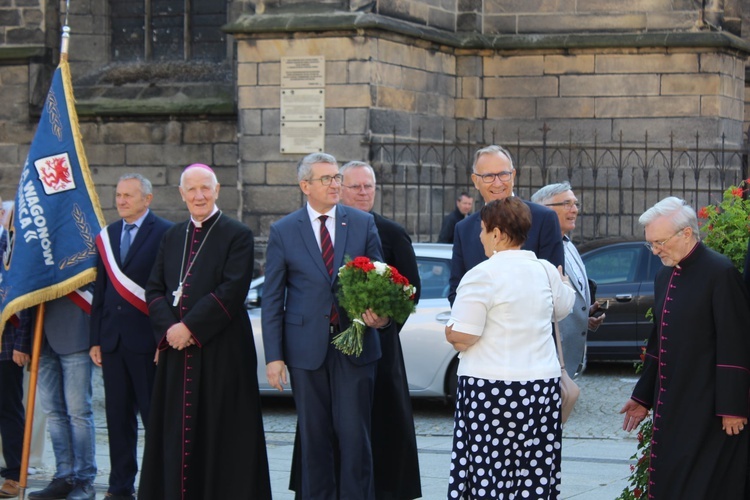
(696, 373)
(205, 433)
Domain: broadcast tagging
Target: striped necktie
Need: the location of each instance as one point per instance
(326, 248)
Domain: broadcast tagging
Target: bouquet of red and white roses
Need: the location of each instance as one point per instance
(367, 284)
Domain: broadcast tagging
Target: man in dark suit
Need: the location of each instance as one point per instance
(493, 175)
(333, 392)
(464, 203)
(394, 442)
(122, 340)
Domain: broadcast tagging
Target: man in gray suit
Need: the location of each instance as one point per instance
(560, 198)
(333, 392)
(65, 370)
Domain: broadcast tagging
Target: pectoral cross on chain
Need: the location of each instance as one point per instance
(177, 295)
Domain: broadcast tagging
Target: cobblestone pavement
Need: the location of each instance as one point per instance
(604, 389)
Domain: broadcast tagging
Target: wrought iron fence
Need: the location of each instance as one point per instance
(615, 182)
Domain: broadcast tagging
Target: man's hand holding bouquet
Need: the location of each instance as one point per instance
(366, 284)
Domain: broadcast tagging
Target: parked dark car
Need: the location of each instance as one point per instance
(624, 273)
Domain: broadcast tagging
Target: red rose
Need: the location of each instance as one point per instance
(703, 213)
(737, 192)
(362, 263)
(637, 493)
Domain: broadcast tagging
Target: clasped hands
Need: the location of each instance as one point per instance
(179, 337)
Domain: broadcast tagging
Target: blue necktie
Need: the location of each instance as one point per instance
(125, 241)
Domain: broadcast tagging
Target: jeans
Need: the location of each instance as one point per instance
(65, 396)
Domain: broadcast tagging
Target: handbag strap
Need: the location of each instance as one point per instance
(558, 342)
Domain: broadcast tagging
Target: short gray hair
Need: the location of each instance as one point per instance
(550, 191)
(358, 164)
(146, 188)
(304, 167)
(681, 214)
(491, 150)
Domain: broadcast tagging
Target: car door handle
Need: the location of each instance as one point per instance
(443, 317)
(624, 297)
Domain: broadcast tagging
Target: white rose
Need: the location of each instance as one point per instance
(380, 267)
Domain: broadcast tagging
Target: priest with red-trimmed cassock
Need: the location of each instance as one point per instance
(205, 433)
(696, 376)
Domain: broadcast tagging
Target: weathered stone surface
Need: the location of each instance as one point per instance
(511, 108)
(682, 20)
(105, 154)
(722, 107)
(271, 124)
(225, 154)
(541, 86)
(391, 98)
(259, 97)
(272, 199)
(281, 173)
(555, 64)
(106, 177)
(609, 85)
(348, 96)
(647, 107)
(10, 18)
(514, 66)
(250, 121)
(647, 63)
(470, 108)
(200, 131)
(345, 147)
(247, 74)
(154, 155)
(14, 75)
(269, 73)
(565, 107)
(356, 121)
(691, 85)
(388, 74)
(259, 148)
(561, 23)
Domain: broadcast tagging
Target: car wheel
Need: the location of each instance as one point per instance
(451, 380)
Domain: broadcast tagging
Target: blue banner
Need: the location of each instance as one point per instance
(52, 230)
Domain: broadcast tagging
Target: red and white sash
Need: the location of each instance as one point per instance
(127, 288)
(82, 298)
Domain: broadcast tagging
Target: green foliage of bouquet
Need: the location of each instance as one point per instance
(367, 284)
(726, 225)
(638, 481)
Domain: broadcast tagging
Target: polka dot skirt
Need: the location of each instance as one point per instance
(506, 440)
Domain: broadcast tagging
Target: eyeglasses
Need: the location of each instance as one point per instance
(368, 188)
(653, 244)
(567, 205)
(326, 180)
(504, 176)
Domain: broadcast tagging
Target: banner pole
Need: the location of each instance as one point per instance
(36, 350)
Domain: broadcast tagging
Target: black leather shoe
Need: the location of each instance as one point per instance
(57, 489)
(82, 491)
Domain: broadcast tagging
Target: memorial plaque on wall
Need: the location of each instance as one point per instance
(302, 128)
(303, 72)
(302, 137)
(303, 104)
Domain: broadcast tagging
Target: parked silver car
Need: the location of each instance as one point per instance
(430, 360)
